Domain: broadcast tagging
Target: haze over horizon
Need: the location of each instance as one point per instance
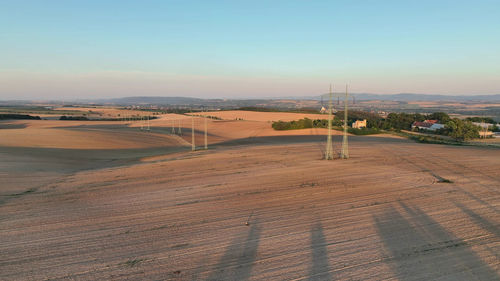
(232, 49)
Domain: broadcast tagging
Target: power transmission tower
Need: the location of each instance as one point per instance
(173, 127)
(345, 150)
(484, 130)
(180, 130)
(193, 146)
(329, 145)
(147, 118)
(142, 123)
(206, 134)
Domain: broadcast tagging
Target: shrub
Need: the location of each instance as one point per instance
(462, 130)
(363, 131)
(18, 116)
(293, 125)
(73, 118)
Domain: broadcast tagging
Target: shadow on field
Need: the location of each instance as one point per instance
(320, 267)
(441, 179)
(239, 257)
(480, 221)
(119, 127)
(61, 160)
(420, 249)
(6, 126)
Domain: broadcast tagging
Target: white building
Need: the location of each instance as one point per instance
(359, 124)
(436, 126)
(430, 125)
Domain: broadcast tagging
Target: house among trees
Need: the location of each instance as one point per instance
(484, 125)
(486, 134)
(485, 129)
(431, 125)
(359, 124)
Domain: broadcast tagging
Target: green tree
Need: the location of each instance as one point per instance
(462, 130)
(293, 125)
(401, 121)
(372, 119)
(481, 119)
(442, 117)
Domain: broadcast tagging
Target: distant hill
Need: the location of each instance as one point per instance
(277, 101)
(152, 100)
(249, 102)
(180, 102)
(422, 97)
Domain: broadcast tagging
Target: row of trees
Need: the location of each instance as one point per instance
(299, 124)
(403, 121)
(84, 118)
(18, 116)
(320, 123)
(481, 119)
(458, 129)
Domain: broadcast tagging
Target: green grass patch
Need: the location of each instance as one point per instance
(132, 263)
(427, 139)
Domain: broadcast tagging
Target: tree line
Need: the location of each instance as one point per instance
(458, 129)
(18, 116)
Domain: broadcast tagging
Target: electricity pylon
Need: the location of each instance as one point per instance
(344, 154)
(484, 130)
(206, 134)
(173, 126)
(142, 124)
(193, 146)
(329, 145)
(180, 130)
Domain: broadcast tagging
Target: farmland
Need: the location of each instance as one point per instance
(104, 200)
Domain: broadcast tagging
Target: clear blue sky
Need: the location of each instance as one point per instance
(70, 49)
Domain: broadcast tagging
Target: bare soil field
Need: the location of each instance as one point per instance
(466, 105)
(258, 205)
(262, 116)
(78, 135)
(106, 112)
